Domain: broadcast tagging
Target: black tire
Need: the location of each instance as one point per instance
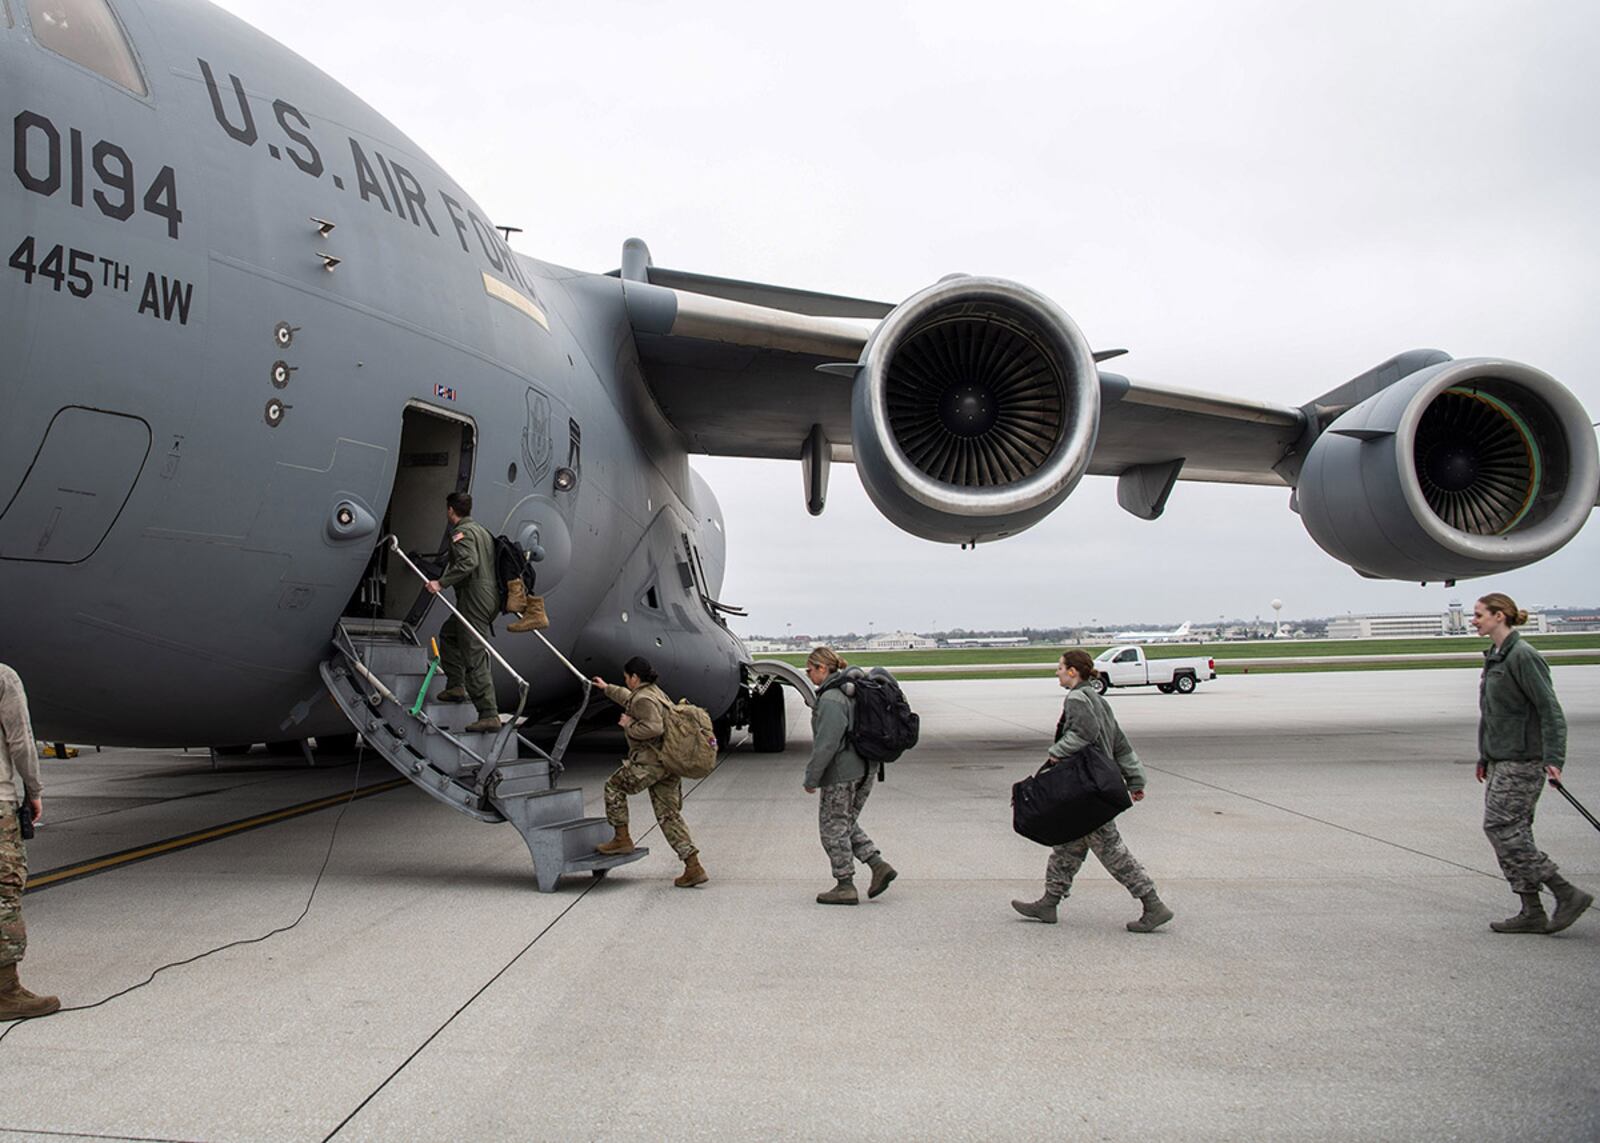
(1100, 685)
(284, 748)
(235, 751)
(1165, 688)
(1184, 684)
(337, 743)
(723, 729)
(769, 723)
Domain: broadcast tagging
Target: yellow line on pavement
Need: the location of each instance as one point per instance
(185, 841)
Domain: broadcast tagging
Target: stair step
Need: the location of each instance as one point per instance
(525, 768)
(392, 659)
(519, 787)
(577, 839)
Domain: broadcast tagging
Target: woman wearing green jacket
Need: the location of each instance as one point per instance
(844, 779)
(1522, 741)
(1087, 718)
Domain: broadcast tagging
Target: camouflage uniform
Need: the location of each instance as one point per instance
(18, 760)
(13, 877)
(1106, 842)
(470, 571)
(643, 769)
(842, 777)
(843, 839)
(1086, 717)
(1521, 730)
(1508, 804)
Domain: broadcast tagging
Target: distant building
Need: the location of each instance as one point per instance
(900, 641)
(989, 641)
(1414, 625)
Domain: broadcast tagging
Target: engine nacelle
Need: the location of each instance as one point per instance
(1465, 468)
(976, 408)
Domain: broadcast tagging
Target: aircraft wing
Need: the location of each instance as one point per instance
(973, 408)
(734, 367)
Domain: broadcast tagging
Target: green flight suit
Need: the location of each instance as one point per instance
(471, 572)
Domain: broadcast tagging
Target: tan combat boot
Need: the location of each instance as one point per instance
(488, 724)
(621, 843)
(844, 893)
(17, 1003)
(534, 617)
(516, 596)
(693, 873)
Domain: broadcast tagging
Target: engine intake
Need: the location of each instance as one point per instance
(1465, 468)
(976, 408)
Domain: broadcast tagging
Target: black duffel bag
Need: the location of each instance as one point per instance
(1076, 796)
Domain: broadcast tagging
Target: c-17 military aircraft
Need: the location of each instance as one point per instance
(250, 330)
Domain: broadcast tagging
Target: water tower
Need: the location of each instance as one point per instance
(1277, 617)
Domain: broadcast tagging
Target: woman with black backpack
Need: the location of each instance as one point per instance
(1087, 718)
(844, 779)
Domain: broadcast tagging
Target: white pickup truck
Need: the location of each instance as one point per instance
(1126, 666)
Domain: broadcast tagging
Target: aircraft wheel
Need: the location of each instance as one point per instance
(769, 724)
(723, 729)
(1099, 684)
(1184, 684)
(337, 743)
(1165, 688)
(286, 748)
(236, 751)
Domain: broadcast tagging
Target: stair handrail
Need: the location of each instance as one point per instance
(522, 683)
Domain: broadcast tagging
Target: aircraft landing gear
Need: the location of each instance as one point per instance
(769, 726)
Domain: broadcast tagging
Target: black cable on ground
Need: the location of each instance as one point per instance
(332, 837)
(559, 917)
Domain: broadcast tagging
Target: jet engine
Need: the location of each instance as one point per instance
(1464, 468)
(975, 410)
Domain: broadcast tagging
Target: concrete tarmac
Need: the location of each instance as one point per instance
(1330, 973)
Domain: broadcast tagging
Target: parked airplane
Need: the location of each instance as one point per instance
(1173, 636)
(250, 329)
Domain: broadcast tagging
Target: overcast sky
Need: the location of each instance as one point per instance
(1262, 199)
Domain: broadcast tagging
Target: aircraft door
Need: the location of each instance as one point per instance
(75, 489)
(436, 457)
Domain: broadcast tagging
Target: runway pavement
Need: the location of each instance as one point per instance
(1330, 973)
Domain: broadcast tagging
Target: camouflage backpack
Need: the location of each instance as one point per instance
(689, 746)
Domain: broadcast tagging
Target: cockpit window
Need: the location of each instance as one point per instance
(87, 33)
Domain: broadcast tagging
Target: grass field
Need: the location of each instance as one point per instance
(960, 661)
(1252, 649)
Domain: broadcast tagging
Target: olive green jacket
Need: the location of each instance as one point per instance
(1086, 717)
(471, 571)
(834, 760)
(1519, 717)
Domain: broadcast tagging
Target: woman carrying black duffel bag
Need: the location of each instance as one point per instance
(1086, 718)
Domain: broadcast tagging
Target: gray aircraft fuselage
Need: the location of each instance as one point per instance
(248, 328)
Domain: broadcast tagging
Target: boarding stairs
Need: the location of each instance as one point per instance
(385, 679)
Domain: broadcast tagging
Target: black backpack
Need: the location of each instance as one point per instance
(511, 562)
(885, 725)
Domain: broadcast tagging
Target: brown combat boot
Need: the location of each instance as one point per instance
(452, 694)
(17, 1003)
(882, 874)
(534, 616)
(516, 596)
(844, 893)
(693, 874)
(1154, 916)
(1570, 903)
(488, 724)
(620, 843)
(1530, 920)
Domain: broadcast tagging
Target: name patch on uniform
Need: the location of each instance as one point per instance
(444, 392)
